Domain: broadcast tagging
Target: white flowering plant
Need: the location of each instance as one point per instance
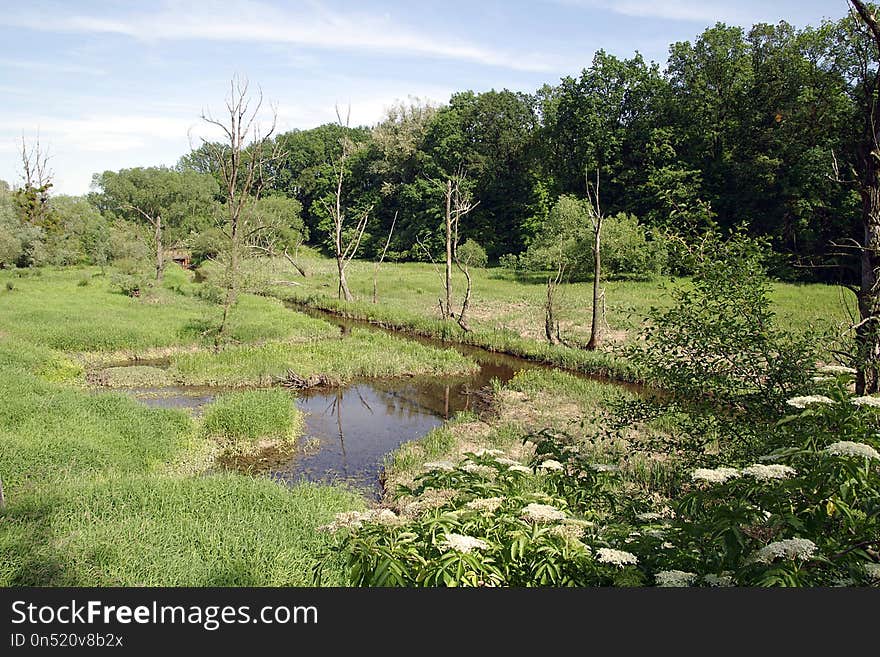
(504, 526)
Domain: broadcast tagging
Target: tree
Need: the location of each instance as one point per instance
(170, 202)
(244, 162)
(596, 219)
(345, 245)
(33, 197)
(868, 177)
(458, 203)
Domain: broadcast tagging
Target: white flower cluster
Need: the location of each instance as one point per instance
(849, 448)
(503, 460)
(355, 519)
(603, 467)
(462, 543)
(433, 498)
(676, 578)
(542, 513)
(866, 400)
(789, 548)
(616, 557)
(836, 369)
(803, 402)
(519, 468)
(872, 570)
(439, 465)
(568, 531)
(716, 476)
(773, 471)
(487, 504)
(483, 451)
(550, 464)
(724, 579)
(481, 470)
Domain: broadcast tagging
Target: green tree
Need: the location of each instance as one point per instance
(172, 203)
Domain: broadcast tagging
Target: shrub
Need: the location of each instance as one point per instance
(471, 254)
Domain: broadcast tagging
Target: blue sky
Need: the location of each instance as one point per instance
(120, 84)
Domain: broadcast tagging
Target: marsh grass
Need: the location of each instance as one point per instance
(507, 309)
(53, 311)
(362, 353)
(216, 530)
(245, 421)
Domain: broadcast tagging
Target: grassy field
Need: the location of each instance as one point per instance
(505, 300)
(102, 490)
(507, 310)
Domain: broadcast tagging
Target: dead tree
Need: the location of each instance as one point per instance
(344, 248)
(381, 259)
(33, 197)
(458, 204)
(462, 205)
(596, 219)
(243, 165)
(867, 176)
(551, 324)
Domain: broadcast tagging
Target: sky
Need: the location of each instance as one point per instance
(110, 85)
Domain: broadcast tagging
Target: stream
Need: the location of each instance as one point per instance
(351, 429)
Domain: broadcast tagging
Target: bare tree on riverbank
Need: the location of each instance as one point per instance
(242, 160)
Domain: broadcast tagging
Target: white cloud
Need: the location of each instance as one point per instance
(51, 67)
(256, 22)
(698, 11)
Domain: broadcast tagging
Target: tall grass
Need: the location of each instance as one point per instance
(362, 353)
(247, 416)
(217, 530)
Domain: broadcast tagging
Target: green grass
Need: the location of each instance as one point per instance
(362, 353)
(132, 376)
(507, 310)
(48, 432)
(217, 530)
(54, 311)
(248, 416)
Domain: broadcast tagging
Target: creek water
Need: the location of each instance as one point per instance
(349, 430)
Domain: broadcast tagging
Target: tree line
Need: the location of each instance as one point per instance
(753, 129)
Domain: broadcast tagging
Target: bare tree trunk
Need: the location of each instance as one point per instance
(868, 331)
(448, 310)
(2, 498)
(868, 328)
(596, 327)
(344, 292)
(596, 218)
(160, 255)
(381, 260)
(550, 329)
(462, 315)
(293, 262)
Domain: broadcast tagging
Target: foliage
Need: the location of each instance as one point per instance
(720, 338)
(471, 254)
(567, 241)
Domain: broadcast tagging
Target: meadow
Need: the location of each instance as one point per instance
(102, 490)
